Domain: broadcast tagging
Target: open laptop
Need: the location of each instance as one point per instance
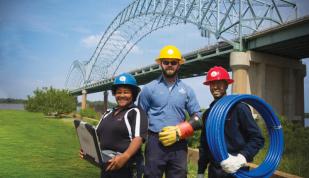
(90, 144)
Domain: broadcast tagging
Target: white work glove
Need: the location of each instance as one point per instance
(233, 163)
(200, 176)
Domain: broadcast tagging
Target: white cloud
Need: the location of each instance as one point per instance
(91, 41)
(135, 50)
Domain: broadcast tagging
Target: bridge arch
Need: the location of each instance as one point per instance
(226, 20)
(76, 75)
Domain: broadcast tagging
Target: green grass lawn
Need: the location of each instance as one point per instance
(34, 146)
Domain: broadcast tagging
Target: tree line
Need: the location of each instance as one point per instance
(12, 101)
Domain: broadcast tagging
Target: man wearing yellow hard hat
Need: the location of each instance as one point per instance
(165, 100)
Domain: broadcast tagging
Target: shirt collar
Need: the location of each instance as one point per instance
(161, 79)
(213, 103)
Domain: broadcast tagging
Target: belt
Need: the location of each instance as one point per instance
(152, 133)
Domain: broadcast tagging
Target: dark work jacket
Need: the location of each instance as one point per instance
(242, 135)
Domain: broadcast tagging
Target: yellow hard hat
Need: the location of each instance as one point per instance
(170, 52)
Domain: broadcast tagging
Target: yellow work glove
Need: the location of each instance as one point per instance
(169, 135)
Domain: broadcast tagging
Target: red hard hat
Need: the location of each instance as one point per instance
(217, 73)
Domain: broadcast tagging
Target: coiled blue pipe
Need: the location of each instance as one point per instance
(215, 133)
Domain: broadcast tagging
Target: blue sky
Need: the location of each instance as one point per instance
(39, 40)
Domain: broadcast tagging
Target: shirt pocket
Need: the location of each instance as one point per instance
(178, 99)
(159, 99)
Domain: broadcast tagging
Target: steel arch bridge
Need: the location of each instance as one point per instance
(221, 20)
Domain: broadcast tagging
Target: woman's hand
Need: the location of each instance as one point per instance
(81, 154)
(120, 160)
(117, 162)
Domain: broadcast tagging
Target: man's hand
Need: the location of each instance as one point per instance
(233, 163)
(169, 135)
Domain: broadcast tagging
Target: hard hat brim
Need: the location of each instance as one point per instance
(133, 87)
(229, 81)
(181, 60)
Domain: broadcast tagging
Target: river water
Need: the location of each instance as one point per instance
(306, 122)
(11, 106)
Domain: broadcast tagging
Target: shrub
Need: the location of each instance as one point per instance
(296, 144)
(88, 112)
(295, 157)
(194, 141)
(51, 101)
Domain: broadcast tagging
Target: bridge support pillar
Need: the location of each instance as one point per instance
(239, 62)
(278, 80)
(105, 95)
(84, 99)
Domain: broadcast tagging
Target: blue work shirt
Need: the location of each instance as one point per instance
(166, 107)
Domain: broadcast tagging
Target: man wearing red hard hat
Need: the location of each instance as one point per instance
(242, 135)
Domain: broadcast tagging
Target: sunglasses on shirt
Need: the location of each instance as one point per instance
(170, 62)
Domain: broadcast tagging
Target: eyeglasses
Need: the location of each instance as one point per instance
(170, 62)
